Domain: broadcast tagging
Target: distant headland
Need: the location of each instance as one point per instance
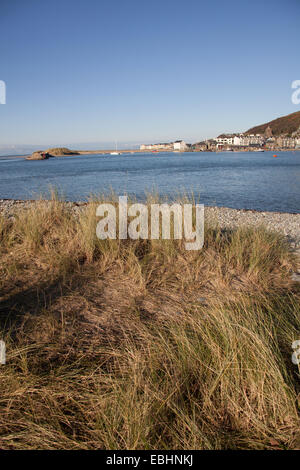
(52, 152)
(280, 134)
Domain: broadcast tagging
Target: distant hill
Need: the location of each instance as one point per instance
(283, 125)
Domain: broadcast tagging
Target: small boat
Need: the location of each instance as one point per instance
(116, 151)
(258, 150)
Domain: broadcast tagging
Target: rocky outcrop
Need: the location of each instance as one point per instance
(53, 152)
(61, 151)
(39, 155)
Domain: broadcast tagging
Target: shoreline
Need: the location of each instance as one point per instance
(284, 222)
(4, 200)
(138, 151)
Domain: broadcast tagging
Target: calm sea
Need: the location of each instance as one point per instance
(238, 180)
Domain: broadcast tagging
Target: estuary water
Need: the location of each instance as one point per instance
(246, 180)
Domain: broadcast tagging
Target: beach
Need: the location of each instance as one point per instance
(227, 218)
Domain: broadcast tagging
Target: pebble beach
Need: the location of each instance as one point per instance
(285, 223)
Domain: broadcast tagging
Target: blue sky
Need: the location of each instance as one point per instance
(93, 71)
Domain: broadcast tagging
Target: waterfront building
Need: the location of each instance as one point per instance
(179, 146)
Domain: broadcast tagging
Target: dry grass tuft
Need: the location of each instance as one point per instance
(141, 344)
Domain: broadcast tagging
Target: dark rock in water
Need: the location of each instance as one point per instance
(53, 152)
(40, 155)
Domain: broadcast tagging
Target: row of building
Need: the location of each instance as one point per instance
(241, 140)
(251, 141)
(231, 142)
(258, 140)
(177, 146)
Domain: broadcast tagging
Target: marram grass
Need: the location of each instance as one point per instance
(142, 344)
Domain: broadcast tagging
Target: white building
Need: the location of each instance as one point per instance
(180, 145)
(242, 140)
(157, 147)
(225, 140)
(237, 140)
(256, 139)
(246, 140)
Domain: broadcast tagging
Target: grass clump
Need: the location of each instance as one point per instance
(142, 344)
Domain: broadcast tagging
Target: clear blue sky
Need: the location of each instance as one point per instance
(141, 70)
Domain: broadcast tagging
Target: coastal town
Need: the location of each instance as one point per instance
(239, 142)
